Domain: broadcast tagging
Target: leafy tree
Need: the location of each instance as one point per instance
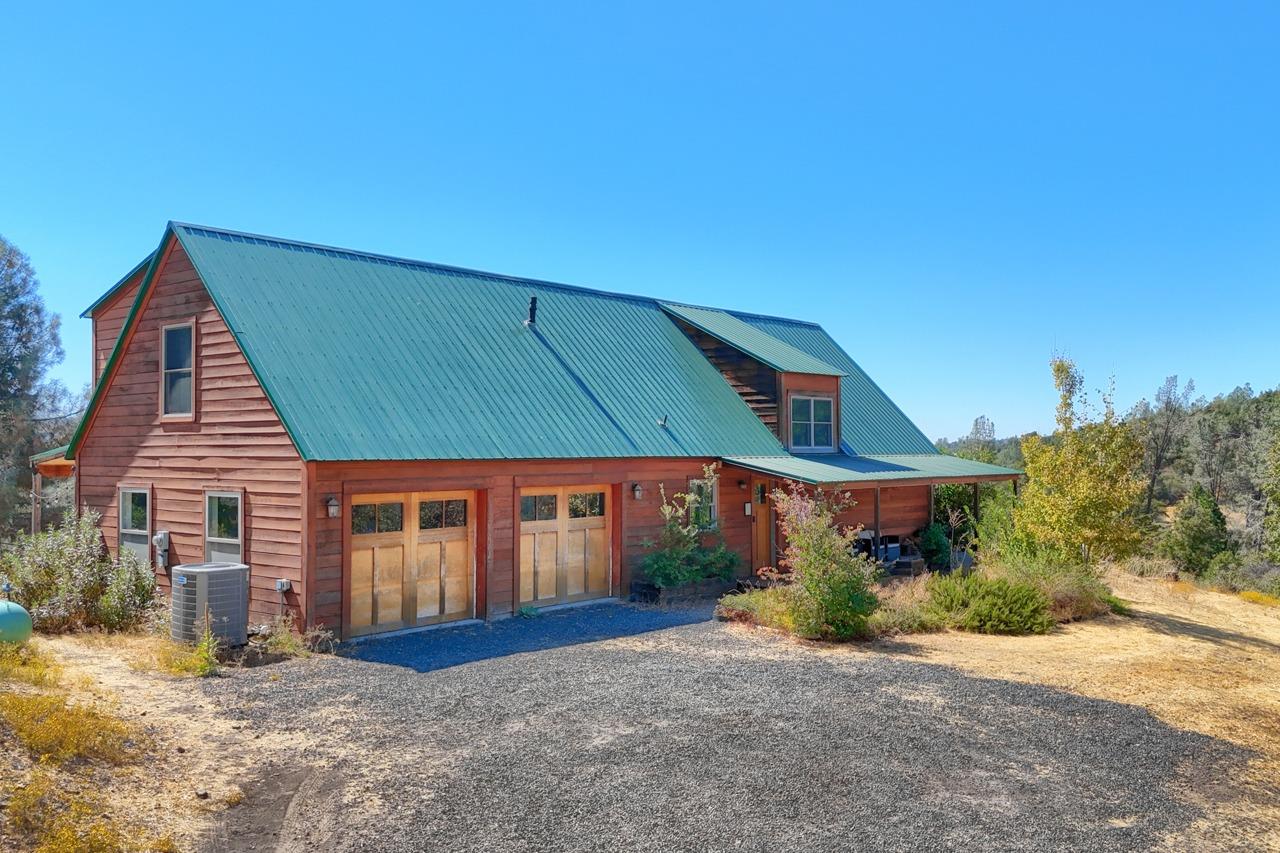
(1271, 488)
(1083, 486)
(1199, 532)
(1163, 428)
(29, 405)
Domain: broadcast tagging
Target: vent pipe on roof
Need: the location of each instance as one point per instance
(533, 311)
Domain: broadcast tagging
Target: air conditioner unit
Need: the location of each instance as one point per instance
(222, 590)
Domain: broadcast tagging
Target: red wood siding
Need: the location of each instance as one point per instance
(903, 509)
(109, 319)
(807, 384)
(235, 442)
(497, 483)
(756, 383)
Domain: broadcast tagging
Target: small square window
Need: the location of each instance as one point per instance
(364, 519)
(546, 507)
(812, 423)
(390, 517)
(528, 508)
(455, 513)
(430, 515)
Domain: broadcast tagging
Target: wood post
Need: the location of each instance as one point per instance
(976, 503)
(931, 498)
(876, 539)
(36, 486)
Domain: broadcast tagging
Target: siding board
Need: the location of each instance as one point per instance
(236, 441)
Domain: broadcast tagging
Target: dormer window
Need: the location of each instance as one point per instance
(812, 423)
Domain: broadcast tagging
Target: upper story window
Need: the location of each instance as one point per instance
(177, 370)
(812, 423)
(705, 507)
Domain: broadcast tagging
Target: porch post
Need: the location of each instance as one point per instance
(976, 506)
(876, 540)
(931, 495)
(36, 488)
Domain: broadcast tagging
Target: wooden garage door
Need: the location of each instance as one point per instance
(564, 544)
(411, 560)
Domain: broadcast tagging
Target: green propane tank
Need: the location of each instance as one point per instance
(15, 623)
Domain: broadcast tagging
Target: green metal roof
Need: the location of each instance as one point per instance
(764, 348)
(51, 453)
(870, 423)
(115, 288)
(835, 468)
(366, 356)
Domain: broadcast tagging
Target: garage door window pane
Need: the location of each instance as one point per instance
(455, 513)
(528, 508)
(390, 518)
(363, 519)
(430, 515)
(546, 505)
(586, 504)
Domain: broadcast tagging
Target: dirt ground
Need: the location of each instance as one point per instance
(1198, 661)
(1202, 661)
(193, 751)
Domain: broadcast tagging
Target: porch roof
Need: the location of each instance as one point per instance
(837, 468)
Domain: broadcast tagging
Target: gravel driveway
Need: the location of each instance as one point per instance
(701, 736)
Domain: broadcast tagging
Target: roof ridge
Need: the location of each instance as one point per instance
(359, 254)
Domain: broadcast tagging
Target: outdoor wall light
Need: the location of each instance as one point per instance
(742, 484)
(637, 491)
(335, 508)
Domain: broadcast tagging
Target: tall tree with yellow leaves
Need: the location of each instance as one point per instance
(1083, 484)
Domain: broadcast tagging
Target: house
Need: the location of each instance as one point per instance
(407, 443)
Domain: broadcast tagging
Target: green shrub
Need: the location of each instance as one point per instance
(67, 581)
(1242, 573)
(682, 555)
(989, 605)
(935, 547)
(1198, 533)
(1074, 590)
(833, 593)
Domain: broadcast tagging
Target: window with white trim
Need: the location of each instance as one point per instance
(177, 370)
(135, 522)
(223, 527)
(812, 423)
(705, 509)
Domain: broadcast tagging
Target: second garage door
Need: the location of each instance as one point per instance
(564, 544)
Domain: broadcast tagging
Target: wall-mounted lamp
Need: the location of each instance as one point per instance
(637, 491)
(742, 484)
(335, 508)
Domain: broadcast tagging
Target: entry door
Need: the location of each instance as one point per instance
(762, 525)
(411, 560)
(564, 544)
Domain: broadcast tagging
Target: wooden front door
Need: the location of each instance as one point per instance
(564, 544)
(763, 537)
(411, 560)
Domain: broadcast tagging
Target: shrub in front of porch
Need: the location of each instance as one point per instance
(825, 587)
(687, 551)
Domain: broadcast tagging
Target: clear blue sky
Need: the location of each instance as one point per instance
(956, 191)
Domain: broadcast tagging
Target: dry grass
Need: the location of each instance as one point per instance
(1260, 598)
(55, 730)
(28, 664)
(1199, 660)
(53, 816)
